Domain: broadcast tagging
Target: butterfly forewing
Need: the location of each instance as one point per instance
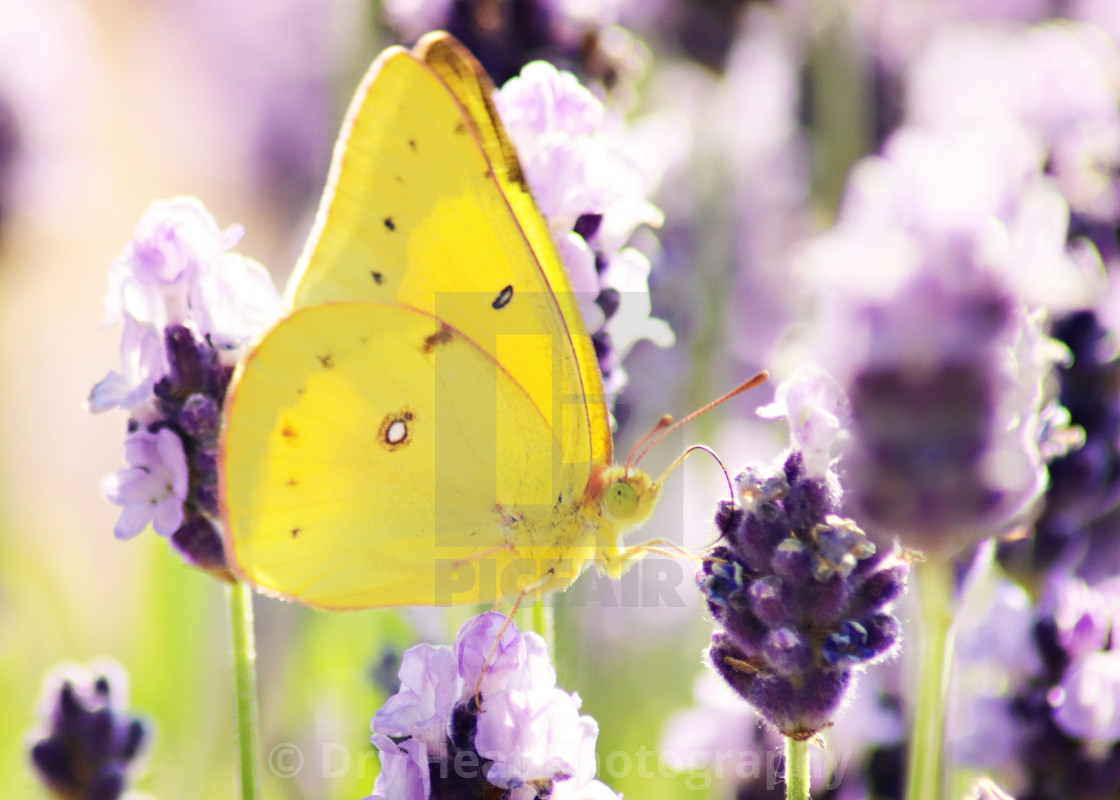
(416, 214)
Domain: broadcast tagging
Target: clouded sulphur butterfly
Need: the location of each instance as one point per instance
(426, 425)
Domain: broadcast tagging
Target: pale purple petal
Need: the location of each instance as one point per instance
(234, 300)
(533, 737)
(404, 770)
(142, 365)
(544, 99)
(421, 709)
(817, 411)
(1081, 613)
(152, 280)
(579, 262)
(1087, 703)
(520, 661)
(628, 274)
(154, 486)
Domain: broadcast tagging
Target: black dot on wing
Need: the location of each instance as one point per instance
(327, 360)
(503, 298)
(412, 145)
(389, 224)
(296, 531)
(460, 127)
(378, 277)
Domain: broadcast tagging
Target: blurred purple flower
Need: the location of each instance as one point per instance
(526, 740)
(941, 246)
(87, 743)
(1077, 529)
(1087, 702)
(153, 488)
(1060, 81)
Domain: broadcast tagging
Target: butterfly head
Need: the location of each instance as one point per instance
(628, 495)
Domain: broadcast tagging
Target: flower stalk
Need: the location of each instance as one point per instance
(797, 769)
(245, 687)
(924, 774)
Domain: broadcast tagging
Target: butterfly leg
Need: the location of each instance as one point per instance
(494, 648)
(617, 563)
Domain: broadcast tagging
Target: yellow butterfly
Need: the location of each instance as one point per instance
(427, 424)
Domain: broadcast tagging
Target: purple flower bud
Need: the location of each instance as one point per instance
(200, 417)
(87, 742)
(787, 651)
(199, 543)
(847, 646)
(770, 600)
(185, 359)
(720, 580)
(793, 562)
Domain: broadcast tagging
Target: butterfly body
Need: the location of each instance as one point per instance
(426, 425)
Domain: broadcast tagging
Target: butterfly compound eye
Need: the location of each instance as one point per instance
(620, 500)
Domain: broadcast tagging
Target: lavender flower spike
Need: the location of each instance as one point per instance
(189, 308)
(88, 743)
(800, 595)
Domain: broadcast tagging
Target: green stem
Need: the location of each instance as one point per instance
(840, 105)
(543, 624)
(935, 586)
(245, 687)
(797, 769)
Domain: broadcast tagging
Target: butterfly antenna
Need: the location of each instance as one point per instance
(709, 451)
(750, 383)
(663, 423)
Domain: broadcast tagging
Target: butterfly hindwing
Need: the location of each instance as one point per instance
(353, 504)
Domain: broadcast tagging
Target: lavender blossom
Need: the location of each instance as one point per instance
(482, 719)
(800, 594)
(189, 307)
(87, 744)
